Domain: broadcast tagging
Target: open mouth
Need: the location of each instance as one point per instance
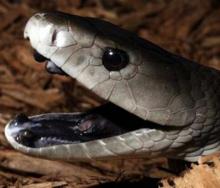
(71, 128)
(49, 65)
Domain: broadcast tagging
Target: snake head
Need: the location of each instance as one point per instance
(154, 92)
(115, 64)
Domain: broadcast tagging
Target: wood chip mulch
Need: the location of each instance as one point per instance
(189, 28)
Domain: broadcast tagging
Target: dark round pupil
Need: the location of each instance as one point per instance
(114, 59)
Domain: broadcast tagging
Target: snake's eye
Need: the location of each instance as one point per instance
(114, 59)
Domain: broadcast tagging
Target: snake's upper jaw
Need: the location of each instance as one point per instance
(46, 35)
(50, 66)
(30, 30)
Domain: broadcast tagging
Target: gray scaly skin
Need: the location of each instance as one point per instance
(157, 86)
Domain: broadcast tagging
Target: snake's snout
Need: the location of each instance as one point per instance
(38, 30)
(29, 26)
(48, 32)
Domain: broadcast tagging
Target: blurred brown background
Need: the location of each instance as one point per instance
(187, 27)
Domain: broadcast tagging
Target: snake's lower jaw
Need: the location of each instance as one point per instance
(62, 128)
(99, 133)
(96, 134)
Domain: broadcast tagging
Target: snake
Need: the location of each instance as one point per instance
(157, 103)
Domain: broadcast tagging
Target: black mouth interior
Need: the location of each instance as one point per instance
(68, 128)
(50, 66)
